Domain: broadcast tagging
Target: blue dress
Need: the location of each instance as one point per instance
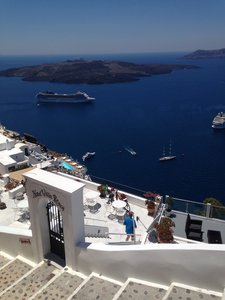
(129, 223)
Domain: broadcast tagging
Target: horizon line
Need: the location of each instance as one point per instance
(85, 54)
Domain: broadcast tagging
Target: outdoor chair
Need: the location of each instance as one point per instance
(108, 208)
(195, 235)
(94, 208)
(193, 224)
(120, 213)
(193, 229)
(17, 211)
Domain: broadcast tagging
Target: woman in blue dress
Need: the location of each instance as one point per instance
(130, 224)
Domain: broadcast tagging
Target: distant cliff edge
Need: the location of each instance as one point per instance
(219, 53)
(91, 72)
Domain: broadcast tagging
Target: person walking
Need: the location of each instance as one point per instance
(130, 224)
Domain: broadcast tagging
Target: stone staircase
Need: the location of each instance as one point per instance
(20, 280)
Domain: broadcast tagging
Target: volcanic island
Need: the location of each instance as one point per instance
(91, 72)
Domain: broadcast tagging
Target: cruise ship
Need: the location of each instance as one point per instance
(219, 121)
(61, 237)
(50, 97)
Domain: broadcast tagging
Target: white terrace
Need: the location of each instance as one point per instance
(104, 222)
(108, 253)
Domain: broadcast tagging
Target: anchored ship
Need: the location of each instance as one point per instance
(165, 157)
(77, 97)
(219, 121)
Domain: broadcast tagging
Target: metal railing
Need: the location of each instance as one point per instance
(134, 240)
(200, 209)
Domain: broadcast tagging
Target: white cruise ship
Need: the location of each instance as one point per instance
(52, 97)
(219, 121)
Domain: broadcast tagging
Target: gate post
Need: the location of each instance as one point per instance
(67, 195)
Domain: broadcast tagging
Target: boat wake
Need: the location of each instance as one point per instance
(88, 155)
(130, 150)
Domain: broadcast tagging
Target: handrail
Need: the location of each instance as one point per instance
(117, 233)
(93, 219)
(207, 208)
(163, 208)
(189, 201)
(158, 218)
(133, 241)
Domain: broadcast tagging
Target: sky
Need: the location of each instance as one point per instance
(52, 27)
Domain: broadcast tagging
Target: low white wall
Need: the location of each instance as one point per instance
(198, 265)
(14, 241)
(132, 199)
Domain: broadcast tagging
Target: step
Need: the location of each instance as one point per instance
(97, 287)
(141, 290)
(61, 288)
(12, 272)
(180, 292)
(3, 260)
(31, 283)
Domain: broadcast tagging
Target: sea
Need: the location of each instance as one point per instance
(146, 115)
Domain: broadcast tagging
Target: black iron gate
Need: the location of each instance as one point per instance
(55, 223)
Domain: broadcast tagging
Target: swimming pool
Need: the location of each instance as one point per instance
(67, 166)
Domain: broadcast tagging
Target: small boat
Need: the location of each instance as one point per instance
(77, 97)
(219, 121)
(88, 155)
(165, 157)
(130, 150)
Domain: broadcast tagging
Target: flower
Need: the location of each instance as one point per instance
(150, 204)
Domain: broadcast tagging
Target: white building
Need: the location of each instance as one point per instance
(12, 155)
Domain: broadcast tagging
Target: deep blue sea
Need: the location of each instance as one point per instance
(144, 115)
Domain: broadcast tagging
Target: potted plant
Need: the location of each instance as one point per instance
(165, 231)
(169, 204)
(103, 190)
(150, 207)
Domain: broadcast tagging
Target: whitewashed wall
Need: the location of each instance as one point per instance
(14, 241)
(198, 265)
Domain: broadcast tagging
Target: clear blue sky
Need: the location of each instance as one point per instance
(110, 26)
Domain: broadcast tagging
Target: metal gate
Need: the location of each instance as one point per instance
(55, 223)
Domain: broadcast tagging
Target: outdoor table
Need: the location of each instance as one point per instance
(214, 237)
(90, 200)
(90, 196)
(119, 204)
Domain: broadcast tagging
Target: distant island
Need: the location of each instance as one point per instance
(199, 54)
(91, 72)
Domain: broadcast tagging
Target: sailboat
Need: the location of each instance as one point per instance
(169, 156)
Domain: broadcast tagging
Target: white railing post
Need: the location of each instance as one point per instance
(208, 210)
